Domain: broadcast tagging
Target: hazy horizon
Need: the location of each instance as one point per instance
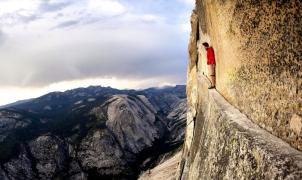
(56, 45)
(136, 89)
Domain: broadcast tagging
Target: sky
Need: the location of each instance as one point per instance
(55, 45)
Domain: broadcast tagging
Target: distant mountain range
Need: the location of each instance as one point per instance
(88, 133)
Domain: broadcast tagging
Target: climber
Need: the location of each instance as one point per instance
(211, 64)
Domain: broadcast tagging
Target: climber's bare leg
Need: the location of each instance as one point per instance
(212, 76)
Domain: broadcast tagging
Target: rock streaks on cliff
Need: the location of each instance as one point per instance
(258, 52)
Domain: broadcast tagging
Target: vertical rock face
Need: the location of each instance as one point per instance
(133, 123)
(9, 121)
(227, 145)
(177, 121)
(258, 53)
(100, 151)
(192, 83)
(50, 154)
(19, 168)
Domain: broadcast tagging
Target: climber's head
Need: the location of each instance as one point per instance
(206, 45)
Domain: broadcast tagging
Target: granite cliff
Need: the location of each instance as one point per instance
(249, 127)
(90, 133)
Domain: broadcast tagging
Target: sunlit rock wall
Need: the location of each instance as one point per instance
(258, 51)
(259, 58)
(227, 145)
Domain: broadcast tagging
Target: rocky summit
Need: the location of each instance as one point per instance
(89, 133)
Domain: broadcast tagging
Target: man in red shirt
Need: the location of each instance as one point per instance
(211, 64)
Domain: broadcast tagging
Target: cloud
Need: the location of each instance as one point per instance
(188, 2)
(17, 18)
(104, 39)
(2, 37)
(13, 12)
(88, 12)
(67, 24)
(50, 6)
(106, 7)
(126, 52)
(12, 6)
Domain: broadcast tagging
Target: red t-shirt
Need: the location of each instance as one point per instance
(210, 56)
